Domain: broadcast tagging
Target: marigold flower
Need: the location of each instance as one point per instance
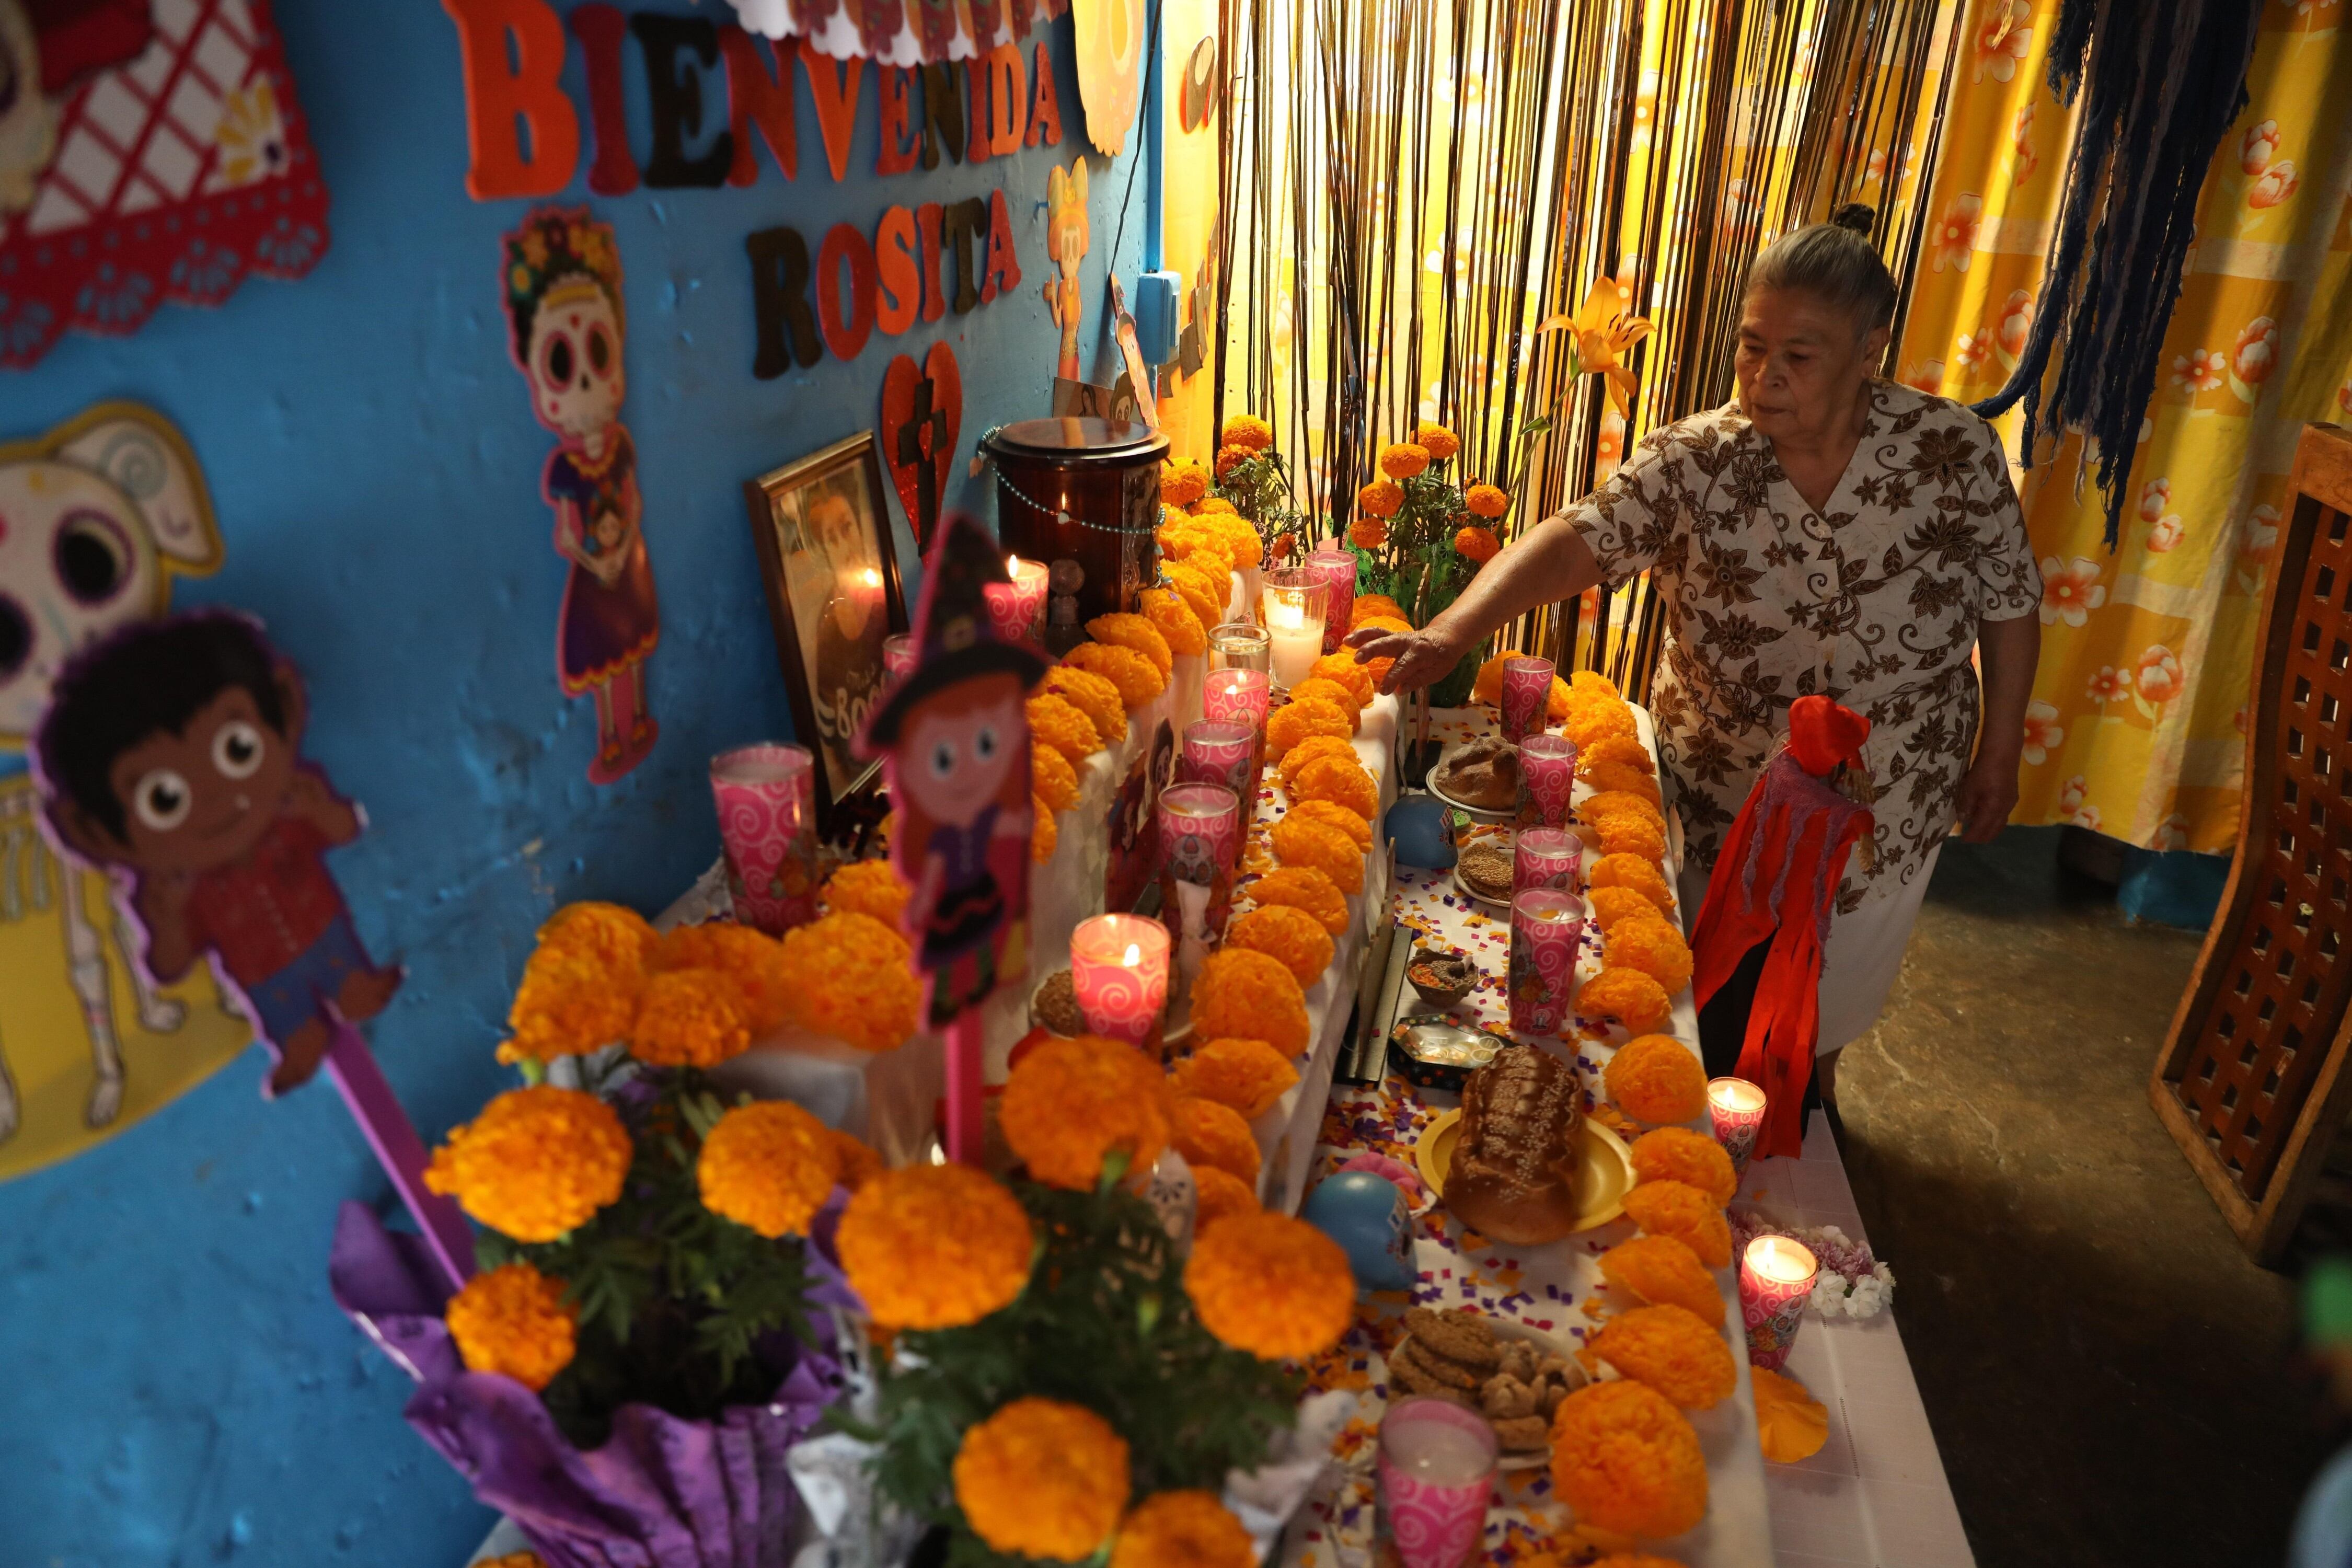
(1382, 499)
(1634, 872)
(537, 1162)
(1248, 432)
(1346, 819)
(1597, 684)
(1652, 946)
(1055, 721)
(1689, 1216)
(1138, 678)
(1051, 779)
(1475, 543)
(1486, 500)
(691, 1019)
(514, 1321)
(1071, 1102)
(849, 977)
(576, 996)
(1634, 999)
(1368, 605)
(1217, 506)
(1605, 805)
(1302, 841)
(1199, 594)
(618, 937)
(1271, 1285)
(1292, 936)
(1182, 484)
(934, 1247)
(1626, 1460)
(1182, 1529)
(752, 959)
(1238, 534)
(1305, 887)
(1249, 1076)
(1215, 1136)
(1091, 695)
(1673, 1352)
(1222, 1196)
(1247, 996)
(1342, 667)
(1590, 722)
(1610, 905)
(1679, 1154)
(1232, 457)
(1390, 623)
(1791, 1424)
(1332, 691)
(1403, 460)
(1613, 778)
(1437, 440)
(1040, 1478)
(1295, 760)
(1173, 619)
(769, 1167)
(1656, 1077)
(1294, 722)
(1137, 632)
(1044, 836)
(1664, 1270)
(1624, 750)
(1366, 532)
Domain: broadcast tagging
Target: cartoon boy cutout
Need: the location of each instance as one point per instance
(563, 302)
(172, 750)
(1067, 241)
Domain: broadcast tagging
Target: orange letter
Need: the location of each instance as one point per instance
(895, 245)
(896, 155)
(835, 88)
(1045, 108)
(758, 95)
(496, 99)
(1008, 100)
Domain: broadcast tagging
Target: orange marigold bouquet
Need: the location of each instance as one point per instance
(1419, 538)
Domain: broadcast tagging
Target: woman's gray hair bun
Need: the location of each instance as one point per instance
(1836, 262)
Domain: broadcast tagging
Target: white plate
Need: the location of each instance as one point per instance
(1512, 1328)
(1467, 892)
(1476, 813)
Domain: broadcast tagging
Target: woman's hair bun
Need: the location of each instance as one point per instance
(1858, 217)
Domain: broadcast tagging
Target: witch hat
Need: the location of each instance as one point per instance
(954, 638)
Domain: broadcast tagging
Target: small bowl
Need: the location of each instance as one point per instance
(1458, 974)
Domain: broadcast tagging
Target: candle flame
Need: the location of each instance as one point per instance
(1134, 955)
(1736, 1094)
(1779, 1259)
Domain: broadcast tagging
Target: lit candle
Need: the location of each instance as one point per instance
(1545, 857)
(1119, 966)
(1029, 580)
(1547, 925)
(1236, 697)
(1218, 751)
(1776, 1279)
(897, 654)
(1199, 825)
(1547, 780)
(1239, 645)
(1527, 696)
(1435, 1467)
(1338, 565)
(1735, 1107)
(1294, 601)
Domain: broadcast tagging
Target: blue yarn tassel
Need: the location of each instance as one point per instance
(2166, 80)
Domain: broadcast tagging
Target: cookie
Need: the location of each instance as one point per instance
(1437, 1368)
(1523, 1434)
(1406, 1373)
(1455, 1334)
(1503, 1397)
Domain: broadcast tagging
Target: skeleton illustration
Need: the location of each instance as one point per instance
(95, 518)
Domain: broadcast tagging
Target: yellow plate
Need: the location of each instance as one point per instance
(1606, 1177)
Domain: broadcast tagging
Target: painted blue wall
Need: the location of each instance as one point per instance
(175, 1385)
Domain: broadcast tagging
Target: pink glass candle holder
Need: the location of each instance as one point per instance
(1547, 780)
(1527, 694)
(1199, 828)
(1338, 568)
(1776, 1279)
(1237, 695)
(766, 798)
(1029, 581)
(1220, 751)
(1547, 925)
(1296, 601)
(1436, 1473)
(1119, 965)
(897, 654)
(1735, 1107)
(1546, 857)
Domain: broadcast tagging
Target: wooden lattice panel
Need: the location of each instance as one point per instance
(2251, 1080)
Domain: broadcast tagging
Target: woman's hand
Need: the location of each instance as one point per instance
(1422, 656)
(1988, 793)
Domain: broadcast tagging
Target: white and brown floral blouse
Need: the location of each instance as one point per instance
(1873, 603)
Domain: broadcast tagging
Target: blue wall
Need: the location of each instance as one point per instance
(179, 1388)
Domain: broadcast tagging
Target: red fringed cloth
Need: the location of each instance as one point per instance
(1777, 880)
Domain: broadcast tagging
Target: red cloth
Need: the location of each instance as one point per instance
(80, 37)
(1777, 879)
(261, 914)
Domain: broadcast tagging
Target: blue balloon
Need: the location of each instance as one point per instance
(1417, 822)
(1366, 1216)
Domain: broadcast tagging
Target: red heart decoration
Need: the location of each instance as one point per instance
(1822, 734)
(936, 427)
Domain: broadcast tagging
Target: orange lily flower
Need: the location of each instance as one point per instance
(1605, 334)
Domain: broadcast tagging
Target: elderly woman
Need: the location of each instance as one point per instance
(1826, 532)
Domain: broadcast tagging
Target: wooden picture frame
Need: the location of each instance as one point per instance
(829, 634)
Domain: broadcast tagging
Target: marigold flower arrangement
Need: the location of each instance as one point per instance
(1253, 484)
(1243, 995)
(514, 1319)
(1271, 1285)
(1673, 1350)
(1679, 1154)
(1190, 1528)
(1664, 1270)
(1249, 1076)
(852, 977)
(867, 887)
(1043, 1477)
(1627, 1460)
(1689, 1216)
(1070, 1104)
(1302, 888)
(1293, 936)
(1212, 1135)
(1656, 1077)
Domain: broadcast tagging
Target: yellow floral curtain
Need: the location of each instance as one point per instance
(2137, 728)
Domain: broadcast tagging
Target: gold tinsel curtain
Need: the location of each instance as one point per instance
(1414, 188)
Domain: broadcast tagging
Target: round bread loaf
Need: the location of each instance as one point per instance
(1513, 1172)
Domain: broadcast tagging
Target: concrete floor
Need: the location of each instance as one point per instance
(2108, 1377)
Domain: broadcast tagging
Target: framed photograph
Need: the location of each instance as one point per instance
(822, 526)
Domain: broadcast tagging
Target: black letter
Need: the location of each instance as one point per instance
(943, 110)
(780, 282)
(965, 222)
(676, 99)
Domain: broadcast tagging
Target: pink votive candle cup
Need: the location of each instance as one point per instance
(1736, 1108)
(1547, 925)
(1219, 752)
(1199, 830)
(897, 654)
(1119, 966)
(1527, 694)
(1546, 857)
(1338, 568)
(1776, 1280)
(1547, 780)
(1436, 1471)
(766, 798)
